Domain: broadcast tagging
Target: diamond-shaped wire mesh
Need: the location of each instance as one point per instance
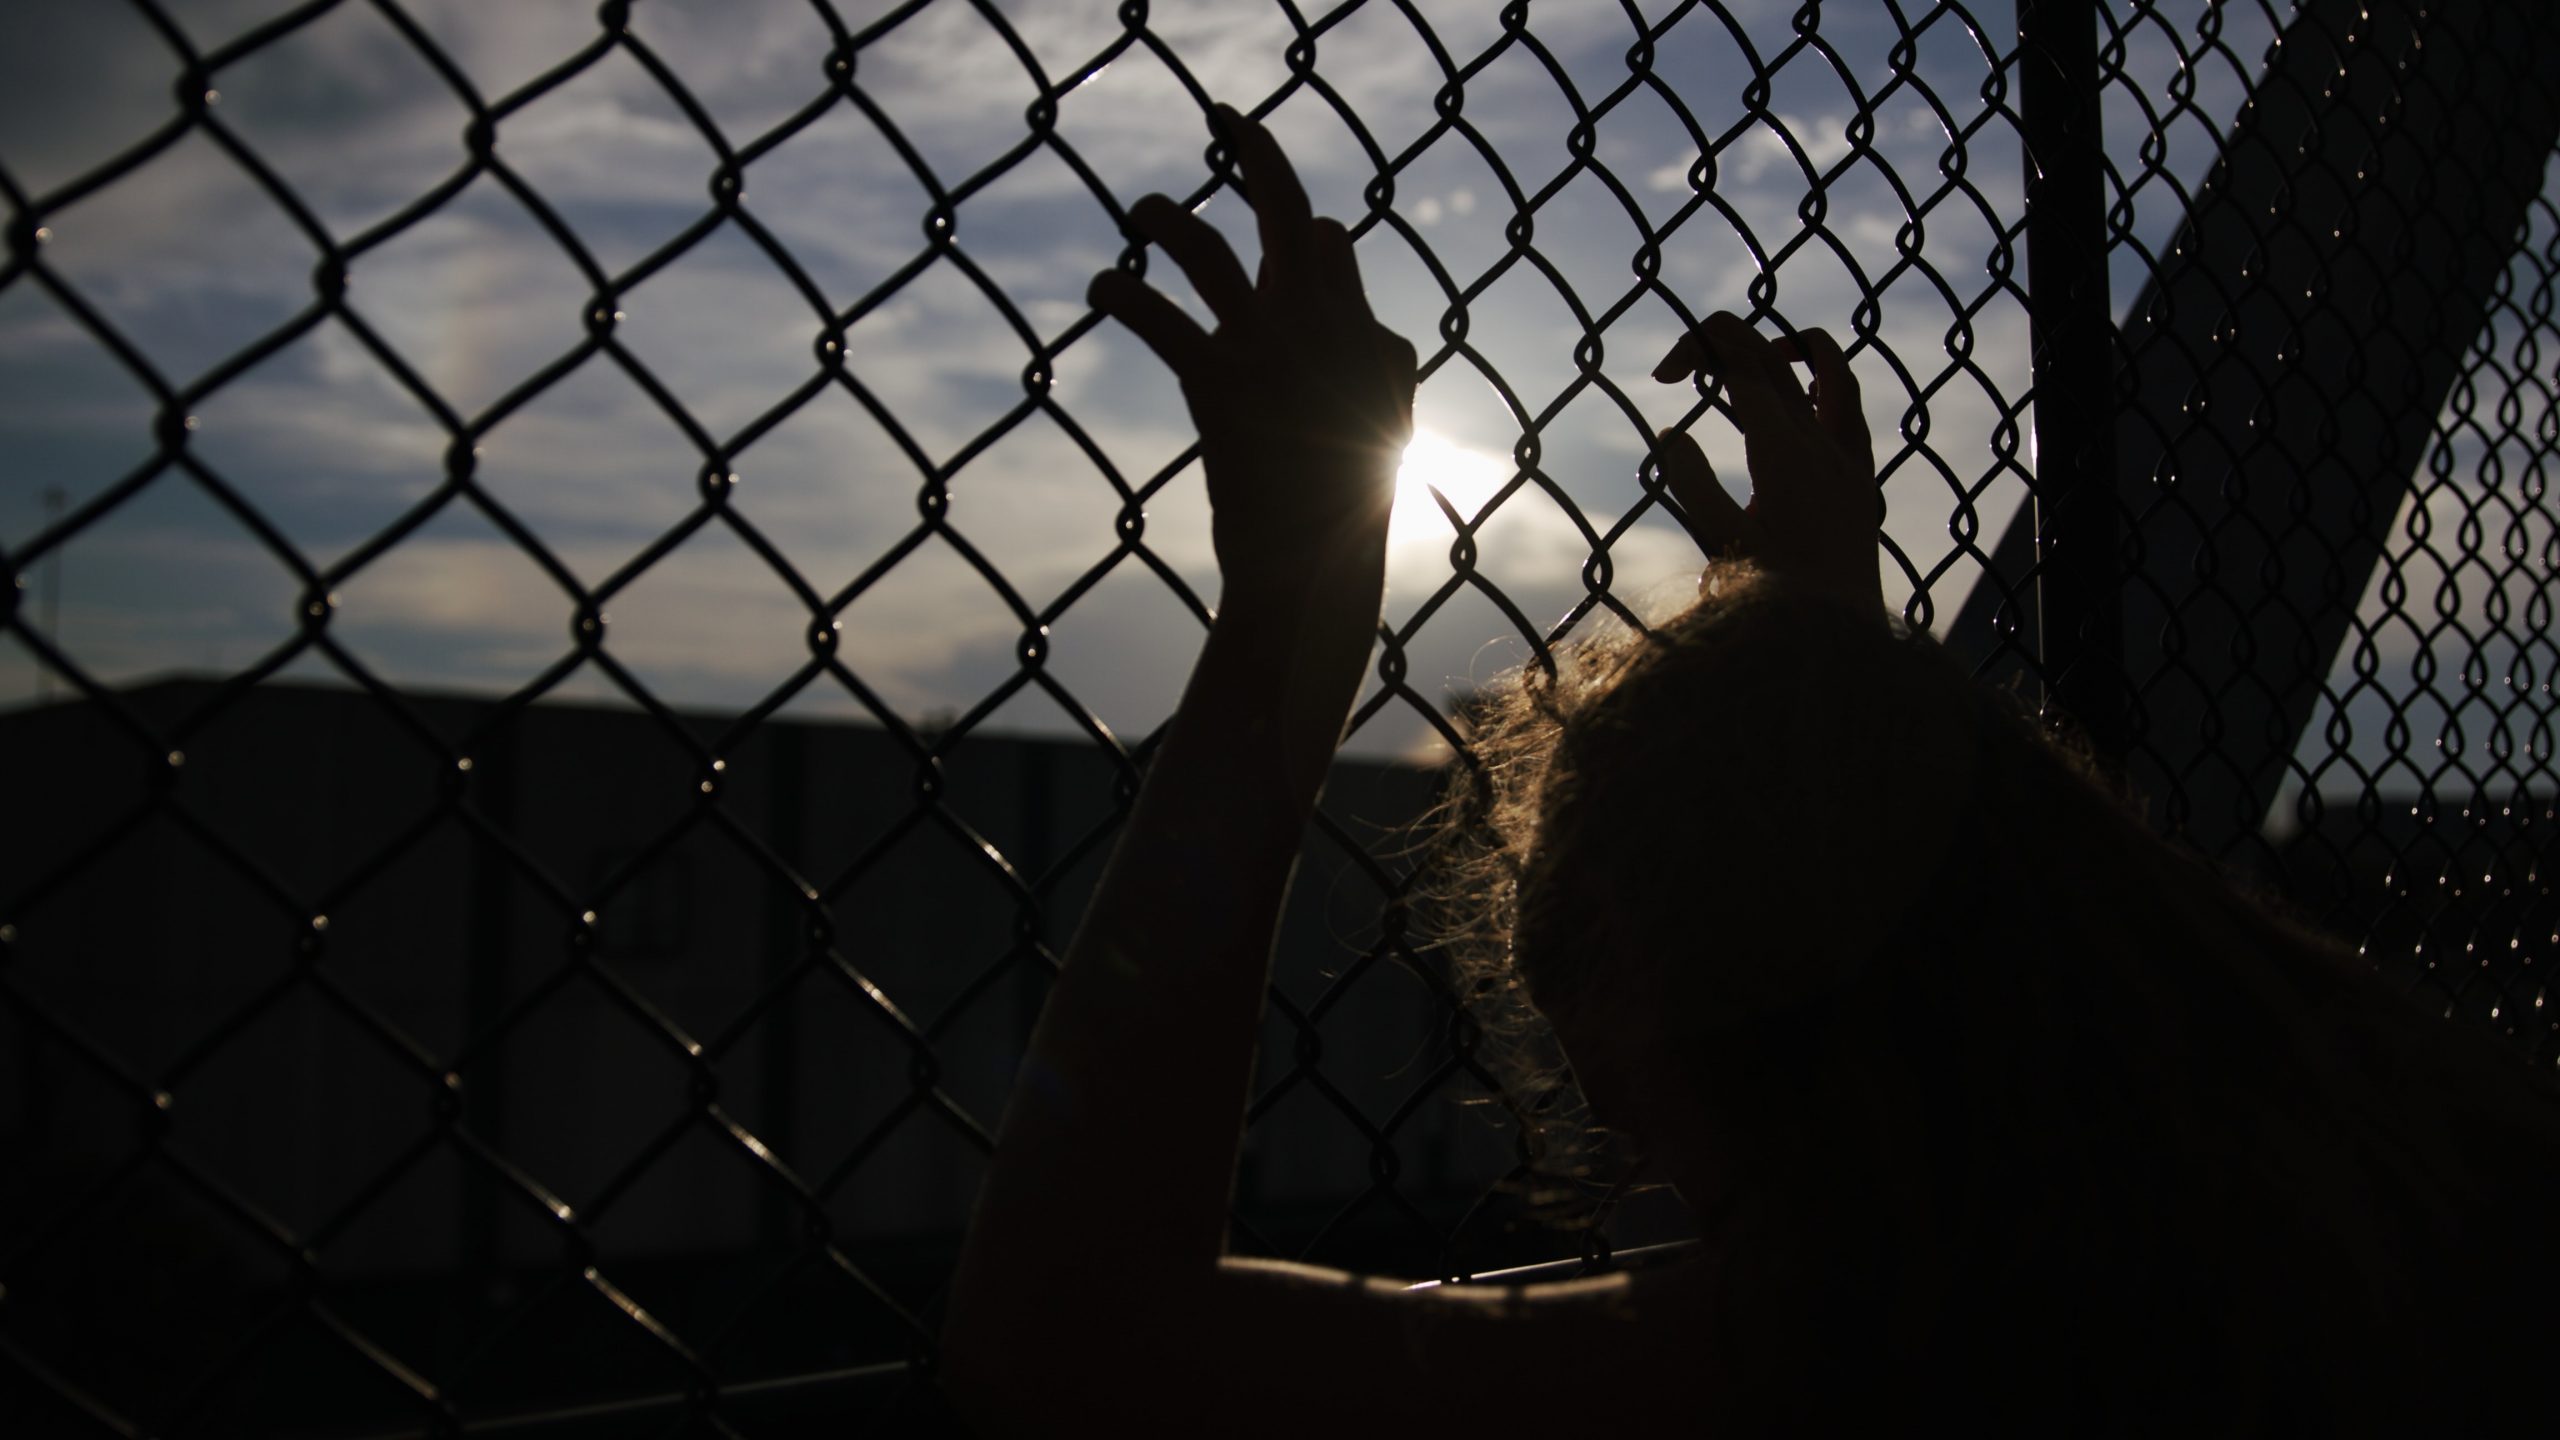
(2337, 597)
(471, 1058)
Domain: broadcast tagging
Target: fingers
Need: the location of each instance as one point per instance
(1836, 402)
(1718, 524)
(1692, 354)
(1296, 246)
(1175, 337)
(1404, 364)
(1200, 250)
(1334, 270)
(1758, 376)
(1812, 346)
(1314, 258)
(1725, 348)
(1766, 395)
(1279, 201)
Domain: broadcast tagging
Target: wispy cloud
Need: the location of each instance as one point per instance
(191, 259)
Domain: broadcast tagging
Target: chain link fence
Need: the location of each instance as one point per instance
(429, 1050)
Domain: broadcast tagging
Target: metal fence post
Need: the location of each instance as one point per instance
(2078, 569)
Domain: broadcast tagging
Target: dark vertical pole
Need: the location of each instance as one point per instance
(786, 949)
(2283, 369)
(1039, 781)
(491, 939)
(2078, 579)
(53, 502)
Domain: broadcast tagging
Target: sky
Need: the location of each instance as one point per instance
(192, 261)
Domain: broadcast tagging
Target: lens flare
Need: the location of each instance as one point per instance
(1468, 478)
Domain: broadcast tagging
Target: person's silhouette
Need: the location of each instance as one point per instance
(1998, 1111)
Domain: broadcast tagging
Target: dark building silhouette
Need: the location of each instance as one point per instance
(163, 940)
(164, 929)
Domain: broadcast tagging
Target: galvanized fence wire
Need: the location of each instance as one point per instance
(2332, 474)
(2498, 387)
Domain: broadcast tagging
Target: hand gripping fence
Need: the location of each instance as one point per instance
(2260, 498)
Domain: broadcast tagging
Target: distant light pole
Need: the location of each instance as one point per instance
(51, 596)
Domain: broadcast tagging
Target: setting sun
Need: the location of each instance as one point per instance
(1468, 478)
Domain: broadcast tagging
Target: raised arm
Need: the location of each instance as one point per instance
(1112, 1177)
(1094, 1283)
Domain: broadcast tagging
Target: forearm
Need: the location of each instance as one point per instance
(1116, 1160)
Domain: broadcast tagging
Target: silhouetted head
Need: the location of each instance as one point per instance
(1938, 1038)
(1735, 817)
(1720, 839)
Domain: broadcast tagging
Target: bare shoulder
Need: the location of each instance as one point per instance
(1269, 1347)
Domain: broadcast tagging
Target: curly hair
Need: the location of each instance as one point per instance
(1987, 1049)
(1572, 788)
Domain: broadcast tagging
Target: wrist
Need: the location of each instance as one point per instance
(1281, 668)
(1341, 584)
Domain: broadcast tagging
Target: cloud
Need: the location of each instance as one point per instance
(1762, 148)
(190, 258)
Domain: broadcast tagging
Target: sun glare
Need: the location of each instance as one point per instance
(1435, 462)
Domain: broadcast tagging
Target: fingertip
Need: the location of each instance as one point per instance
(1698, 499)
(1812, 346)
(1733, 329)
(1734, 336)
(1679, 447)
(1226, 131)
(1105, 288)
(1676, 362)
